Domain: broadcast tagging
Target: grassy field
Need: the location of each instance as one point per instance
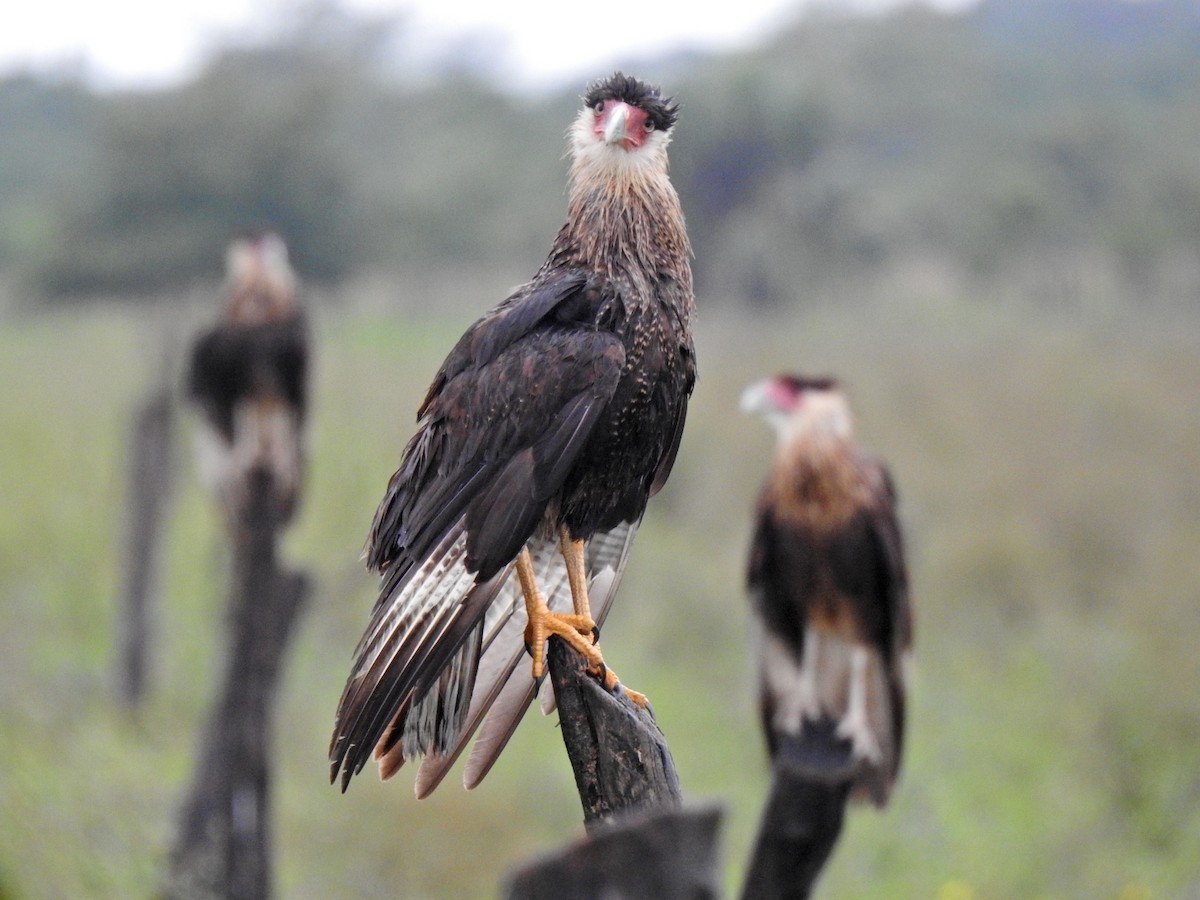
(1048, 470)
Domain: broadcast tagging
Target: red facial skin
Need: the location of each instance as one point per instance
(636, 130)
(784, 396)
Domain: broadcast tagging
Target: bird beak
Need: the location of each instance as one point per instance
(754, 399)
(614, 128)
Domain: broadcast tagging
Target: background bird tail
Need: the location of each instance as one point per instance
(267, 440)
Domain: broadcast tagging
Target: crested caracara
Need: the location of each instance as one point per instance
(828, 584)
(248, 378)
(548, 427)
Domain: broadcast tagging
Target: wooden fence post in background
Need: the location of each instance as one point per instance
(149, 478)
(802, 817)
(223, 848)
(798, 831)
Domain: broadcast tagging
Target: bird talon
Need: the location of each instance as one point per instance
(536, 651)
(640, 700)
(608, 678)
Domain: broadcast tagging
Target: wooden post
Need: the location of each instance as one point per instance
(224, 845)
(149, 477)
(799, 829)
(619, 755)
(802, 819)
(639, 842)
(665, 854)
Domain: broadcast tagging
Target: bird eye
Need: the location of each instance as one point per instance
(649, 126)
(598, 106)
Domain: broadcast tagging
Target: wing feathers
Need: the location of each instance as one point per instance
(411, 637)
(503, 652)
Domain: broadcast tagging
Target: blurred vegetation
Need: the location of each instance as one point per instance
(1031, 139)
(985, 224)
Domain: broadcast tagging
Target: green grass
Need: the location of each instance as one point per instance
(1047, 472)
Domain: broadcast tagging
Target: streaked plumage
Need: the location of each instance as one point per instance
(554, 418)
(828, 582)
(248, 376)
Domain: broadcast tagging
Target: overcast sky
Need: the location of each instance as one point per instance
(125, 43)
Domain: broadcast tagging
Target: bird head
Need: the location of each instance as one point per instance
(624, 124)
(796, 406)
(260, 283)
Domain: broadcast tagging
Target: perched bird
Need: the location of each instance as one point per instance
(248, 377)
(546, 430)
(828, 583)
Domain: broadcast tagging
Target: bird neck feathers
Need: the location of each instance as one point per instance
(624, 215)
(817, 481)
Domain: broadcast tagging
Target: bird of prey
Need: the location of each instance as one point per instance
(829, 587)
(248, 377)
(547, 428)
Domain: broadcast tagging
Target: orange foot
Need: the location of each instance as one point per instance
(580, 633)
(578, 629)
(640, 700)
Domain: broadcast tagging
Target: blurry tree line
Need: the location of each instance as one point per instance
(1043, 136)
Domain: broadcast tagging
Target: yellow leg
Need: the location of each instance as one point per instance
(543, 622)
(572, 552)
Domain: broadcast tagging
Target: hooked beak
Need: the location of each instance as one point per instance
(755, 399)
(614, 127)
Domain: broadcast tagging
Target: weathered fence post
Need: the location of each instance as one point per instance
(149, 477)
(798, 831)
(619, 755)
(803, 815)
(223, 847)
(639, 842)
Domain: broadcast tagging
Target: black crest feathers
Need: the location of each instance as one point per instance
(662, 111)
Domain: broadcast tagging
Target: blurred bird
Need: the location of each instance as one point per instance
(550, 424)
(829, 586)
(248, 376)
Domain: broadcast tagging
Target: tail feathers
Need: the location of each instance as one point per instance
(503, 645)
(834, 715)
(517, 693)
(267, 440)
(415, 664)
(436, 719)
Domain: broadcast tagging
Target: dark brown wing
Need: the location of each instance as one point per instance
(504, 421)
(896, 626)
(886, 526)
(231, 363)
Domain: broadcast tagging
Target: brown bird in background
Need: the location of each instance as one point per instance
(548, 427)
(828, 583)
(248, 376)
